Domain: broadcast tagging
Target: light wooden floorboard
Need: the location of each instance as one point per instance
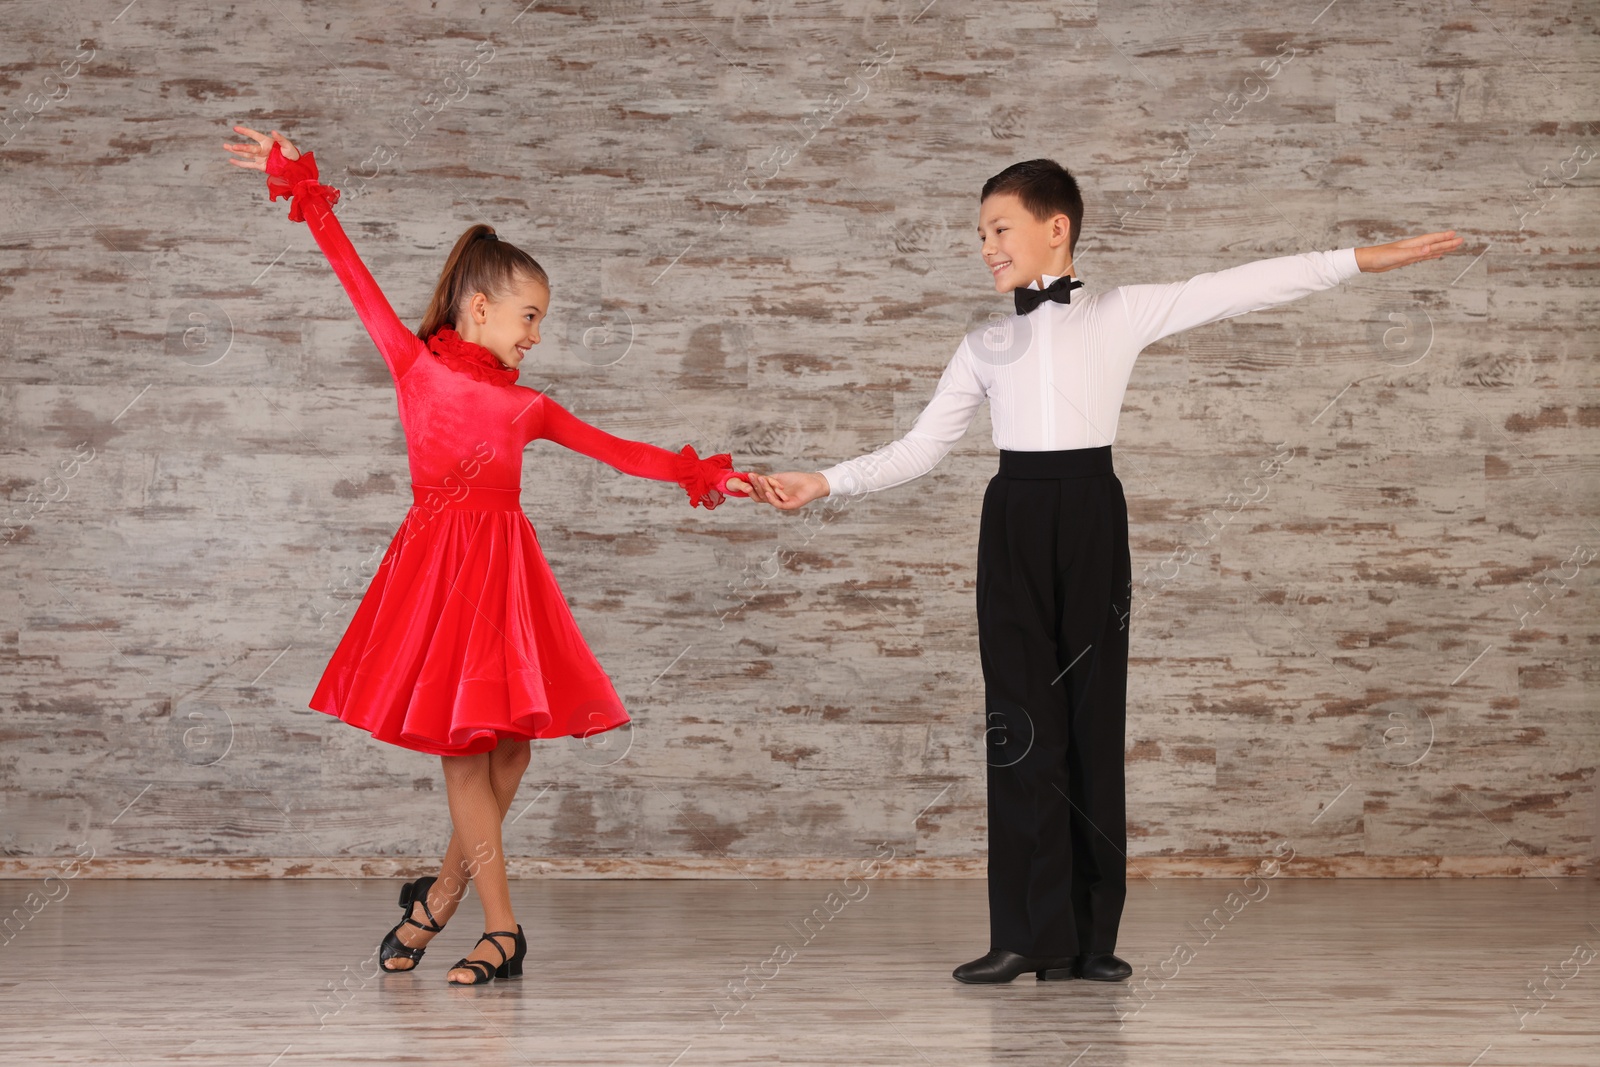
(1420, 972)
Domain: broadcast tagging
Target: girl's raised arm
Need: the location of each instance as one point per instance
(294, 175)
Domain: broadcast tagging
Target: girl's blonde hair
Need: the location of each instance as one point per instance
(479, 263)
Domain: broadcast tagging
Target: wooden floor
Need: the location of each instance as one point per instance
(638, 973)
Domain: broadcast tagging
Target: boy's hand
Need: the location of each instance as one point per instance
(1375, 259)
(254, 156)
(788, 491)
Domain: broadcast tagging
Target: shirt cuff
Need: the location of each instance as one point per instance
(1344, 260)
(839, 478)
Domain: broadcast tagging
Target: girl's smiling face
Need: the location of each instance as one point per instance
(1019, 248)
(507, 326)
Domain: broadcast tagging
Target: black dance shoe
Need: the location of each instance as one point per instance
(1001, 965)
(510, 966)
(392, 946)
(1102, 967)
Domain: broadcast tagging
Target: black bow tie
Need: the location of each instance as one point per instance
(1059, 290)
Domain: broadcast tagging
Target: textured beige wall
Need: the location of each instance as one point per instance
(1390, 654)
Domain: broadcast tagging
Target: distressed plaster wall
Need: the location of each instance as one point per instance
(1387, 658)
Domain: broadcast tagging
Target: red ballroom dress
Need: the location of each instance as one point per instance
(463, 637)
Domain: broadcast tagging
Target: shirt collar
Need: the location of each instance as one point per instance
(1048, 278)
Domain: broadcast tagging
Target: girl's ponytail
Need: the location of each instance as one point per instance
(479, 263)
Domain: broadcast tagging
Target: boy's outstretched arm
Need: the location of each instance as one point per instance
(1157, 311)
(1153, 311)
(940, 425)
(1375, 259)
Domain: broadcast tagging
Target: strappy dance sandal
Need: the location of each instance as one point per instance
(483, 970)
(392, 946)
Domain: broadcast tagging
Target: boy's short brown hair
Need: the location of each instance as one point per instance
(1045, 188)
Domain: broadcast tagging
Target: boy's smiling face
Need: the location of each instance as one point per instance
(1019, 248)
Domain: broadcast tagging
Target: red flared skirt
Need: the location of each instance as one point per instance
(463, 637)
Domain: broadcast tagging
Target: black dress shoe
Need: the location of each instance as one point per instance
(1001, 965)
(1102, 967)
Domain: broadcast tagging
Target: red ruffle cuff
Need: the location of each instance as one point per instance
(295, 178)
(706, 480)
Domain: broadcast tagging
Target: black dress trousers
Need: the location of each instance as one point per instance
(1054, 592)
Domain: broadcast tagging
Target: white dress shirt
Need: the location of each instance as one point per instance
(1054, 378)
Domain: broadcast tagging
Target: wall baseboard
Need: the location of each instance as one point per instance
(799, 868)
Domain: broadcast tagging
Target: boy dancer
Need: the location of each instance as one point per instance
(1054, 577)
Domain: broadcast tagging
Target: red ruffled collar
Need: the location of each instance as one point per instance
(473, 360)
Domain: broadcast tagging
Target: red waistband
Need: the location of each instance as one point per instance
(462, 497)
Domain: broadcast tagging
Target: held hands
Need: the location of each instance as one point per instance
(788, 491)
(254, 156)
(1375, 259)
(785, 492)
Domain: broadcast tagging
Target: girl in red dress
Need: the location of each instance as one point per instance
(463, 646)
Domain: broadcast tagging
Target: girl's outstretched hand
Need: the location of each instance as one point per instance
(255, 155)
(1375, 259)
